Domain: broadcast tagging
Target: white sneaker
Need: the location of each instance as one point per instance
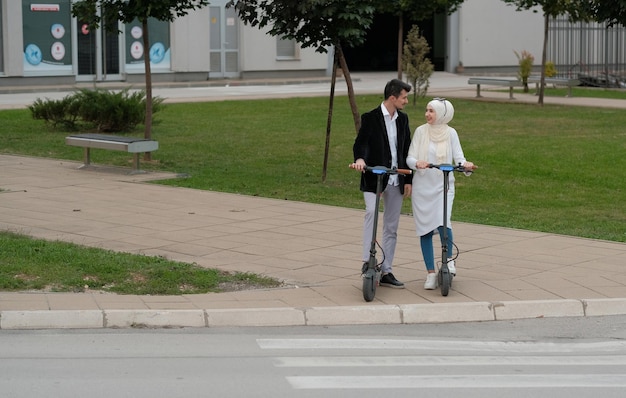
(451, 267)
(431, 281)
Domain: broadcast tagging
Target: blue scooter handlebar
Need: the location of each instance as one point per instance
(387, 170)
(451, 167)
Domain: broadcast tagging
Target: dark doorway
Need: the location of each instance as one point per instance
(380, 51)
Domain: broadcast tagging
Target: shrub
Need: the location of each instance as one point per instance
(550, 70)
(103, 110)
(57, 112)
(526, 60)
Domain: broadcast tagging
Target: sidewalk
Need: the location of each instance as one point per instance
(502, 273)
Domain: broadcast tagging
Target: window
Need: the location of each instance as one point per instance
(286, 49)
(159, 52)
(46, 31)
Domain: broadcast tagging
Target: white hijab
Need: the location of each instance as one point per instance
(438, 132)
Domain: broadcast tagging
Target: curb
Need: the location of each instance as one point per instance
(313, 316)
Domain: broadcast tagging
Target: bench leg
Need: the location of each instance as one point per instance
(511, 92)
(136, 162)
(86, 157)
(478, 91)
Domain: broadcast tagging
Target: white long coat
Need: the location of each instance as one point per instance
(427, 195)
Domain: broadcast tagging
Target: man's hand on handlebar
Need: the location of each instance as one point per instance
(362, 167)
(359, 164)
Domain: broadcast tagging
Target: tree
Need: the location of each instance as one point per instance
(611, 12)
(417, 11)
(417, 65)
(576, 11)
(108, 13)
(319, 24)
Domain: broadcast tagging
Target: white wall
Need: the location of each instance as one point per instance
(189, 42)
(258, 53)
(490, 30)
(13, 38)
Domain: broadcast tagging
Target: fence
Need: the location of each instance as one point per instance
(592, 52)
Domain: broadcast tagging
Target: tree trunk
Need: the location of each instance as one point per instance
(146, 59)
(331, 103)
(351, 97)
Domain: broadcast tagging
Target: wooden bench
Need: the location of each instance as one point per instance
(112, 142)
(556, 81)
(510, 83)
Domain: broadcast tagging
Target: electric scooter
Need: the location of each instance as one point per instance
(371, 271)
(444, 277)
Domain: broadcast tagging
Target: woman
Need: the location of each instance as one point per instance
(434, 143)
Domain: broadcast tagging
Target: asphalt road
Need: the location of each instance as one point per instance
(556, 357)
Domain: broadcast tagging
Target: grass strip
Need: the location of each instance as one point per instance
(35, 264)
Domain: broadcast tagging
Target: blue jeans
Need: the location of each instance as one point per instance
(426, 242)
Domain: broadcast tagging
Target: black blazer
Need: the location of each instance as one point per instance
(372, 145)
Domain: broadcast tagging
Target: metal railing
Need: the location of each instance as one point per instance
(594, 53)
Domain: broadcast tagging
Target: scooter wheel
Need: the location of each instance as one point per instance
(369, 286)
(445, 279)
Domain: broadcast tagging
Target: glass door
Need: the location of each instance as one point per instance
(98, 54)
(224, 39)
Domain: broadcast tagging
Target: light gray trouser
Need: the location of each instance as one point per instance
(392, 202)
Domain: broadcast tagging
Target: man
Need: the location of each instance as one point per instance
(383, 140)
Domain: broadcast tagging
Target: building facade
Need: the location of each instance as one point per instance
(483, 35)
(41, 43)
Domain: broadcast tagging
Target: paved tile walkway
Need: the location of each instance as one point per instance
(502, 273)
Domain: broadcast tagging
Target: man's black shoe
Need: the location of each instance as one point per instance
(390, 281)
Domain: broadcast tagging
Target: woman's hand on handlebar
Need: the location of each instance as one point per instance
(422, 164)
(469, 166)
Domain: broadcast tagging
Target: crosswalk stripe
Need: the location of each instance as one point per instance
(503, 365)
(458, 381)
(447, 361)
(441, 345)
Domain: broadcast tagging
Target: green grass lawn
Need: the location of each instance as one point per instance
(556, 169)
